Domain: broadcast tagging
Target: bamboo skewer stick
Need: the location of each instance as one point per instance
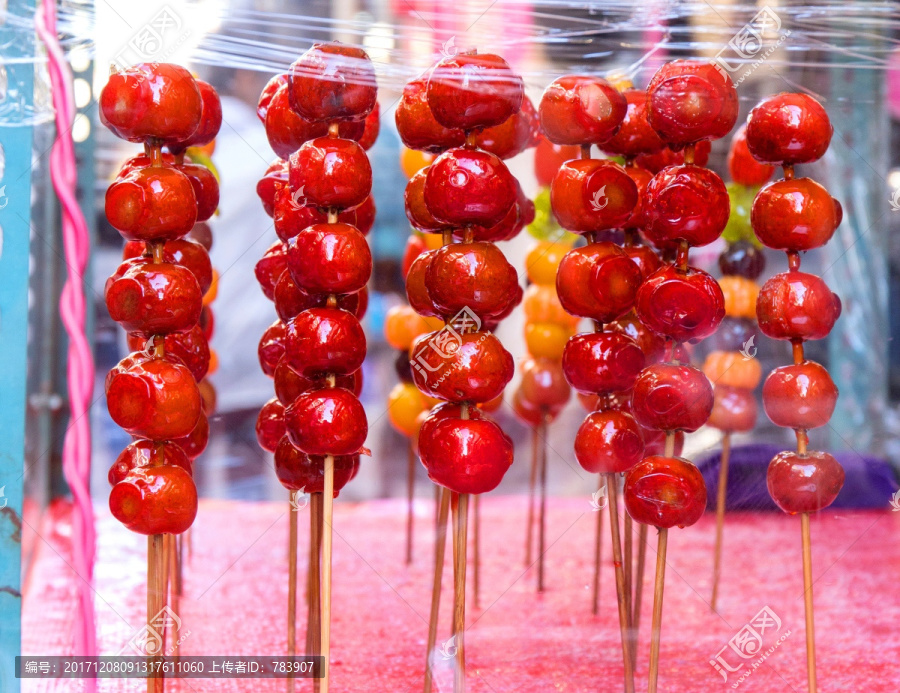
(440, 544)
(532, 483)
(542, 524)
(476, 550)
(313, 626)
(292, 585)
(624, 619)
(808, 604)
(638, 591)
(598, 550)
(720, 518)
(628, 562)
(154, 598)
(327, 518)
(410, 494)
(459, 593)
(656, 627)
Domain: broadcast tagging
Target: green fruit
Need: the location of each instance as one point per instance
(738, 227)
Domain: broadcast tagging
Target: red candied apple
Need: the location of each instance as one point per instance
(275, 177)
(804, 483)
(267, 94)
(469, 186)
(152, 204)
(153, 398)
(796, 305)
(548, 157)
(519, 215)
(592, 195)
(641, 178)
(291, 218)
(788, 129)
(800, 396)
(417, 211)
(476, 276)
(691, 100)
(289, 384)
(609, 442)
(143, 453)
(796, 214)
(514, 135)
(635, 136)
(602, 362)
(372, 126)
(154, 298)
(685, 203)
(298, 471)
(734, 409)
(188, 254)
(581, 109)
(645, 258)
(190, 347)
(155, 500)
(195, 442)
(285, 130)
(270, 427)
(473, 90)
(143, 160)
(543, 382)
(472, 367)
(333, 81)
(465, 455)
(665, 492)
(290, 300)
(416, 124)
(598, 281)
(210, 119)
(672, 397)
(743, 168)
(666, 157)
(330, 259)
(330, 172)
(158, 101)
(416, 291)
(270, 267)
(685, 306)
(271, 347)
(324, 340)
(652, 345)
(531, 413)
(327, 421)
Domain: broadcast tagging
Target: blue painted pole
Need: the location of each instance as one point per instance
(15, 220)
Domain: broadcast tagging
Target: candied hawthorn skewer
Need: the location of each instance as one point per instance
(796, 215)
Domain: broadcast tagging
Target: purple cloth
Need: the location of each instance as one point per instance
(869, 482)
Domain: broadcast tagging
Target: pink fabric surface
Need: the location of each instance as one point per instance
(236, 594)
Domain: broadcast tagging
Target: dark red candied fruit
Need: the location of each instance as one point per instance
(670, 397)
(143, 453)
(473, 90)
(191, 348)
(329, 259)
(602, 362)
(691, 100)
(291, 300)
(417, 211)
(592, 195)
(734, 409)
(416, 124)
(289, 384)
(155, 203)
(155, 500)
(330, 172)
(665, 492)
(143, 160)
(154, 298)
(275, 177)
(581, 109)
(195, 442)
(666, 157)
(285, 130)
(796, 305)
(598, 281)
(476, 276)
(469, 186)
(804, 483)
(271, 347)
(742, 167)
(270, 426)
(543, 382)
(743, 259)
(685, 306)
(685, 203)
(210, 119)
(153, 398)
(514, 135)
(188, 254)
(635, 136)
(291, 218)
(645, 258)
(146, 101)
(548, 157)
(641, 178)
(788, 129)
(327, 421)
(333, 81)
(652, 344)
(796, 214)
(320, 341)
(609, 442)
(270, 267)
(799, 396)
(417, 293)
(298, 471)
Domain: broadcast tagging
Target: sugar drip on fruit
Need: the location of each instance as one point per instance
(321, 116)
(156, 294)
(796, 215)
